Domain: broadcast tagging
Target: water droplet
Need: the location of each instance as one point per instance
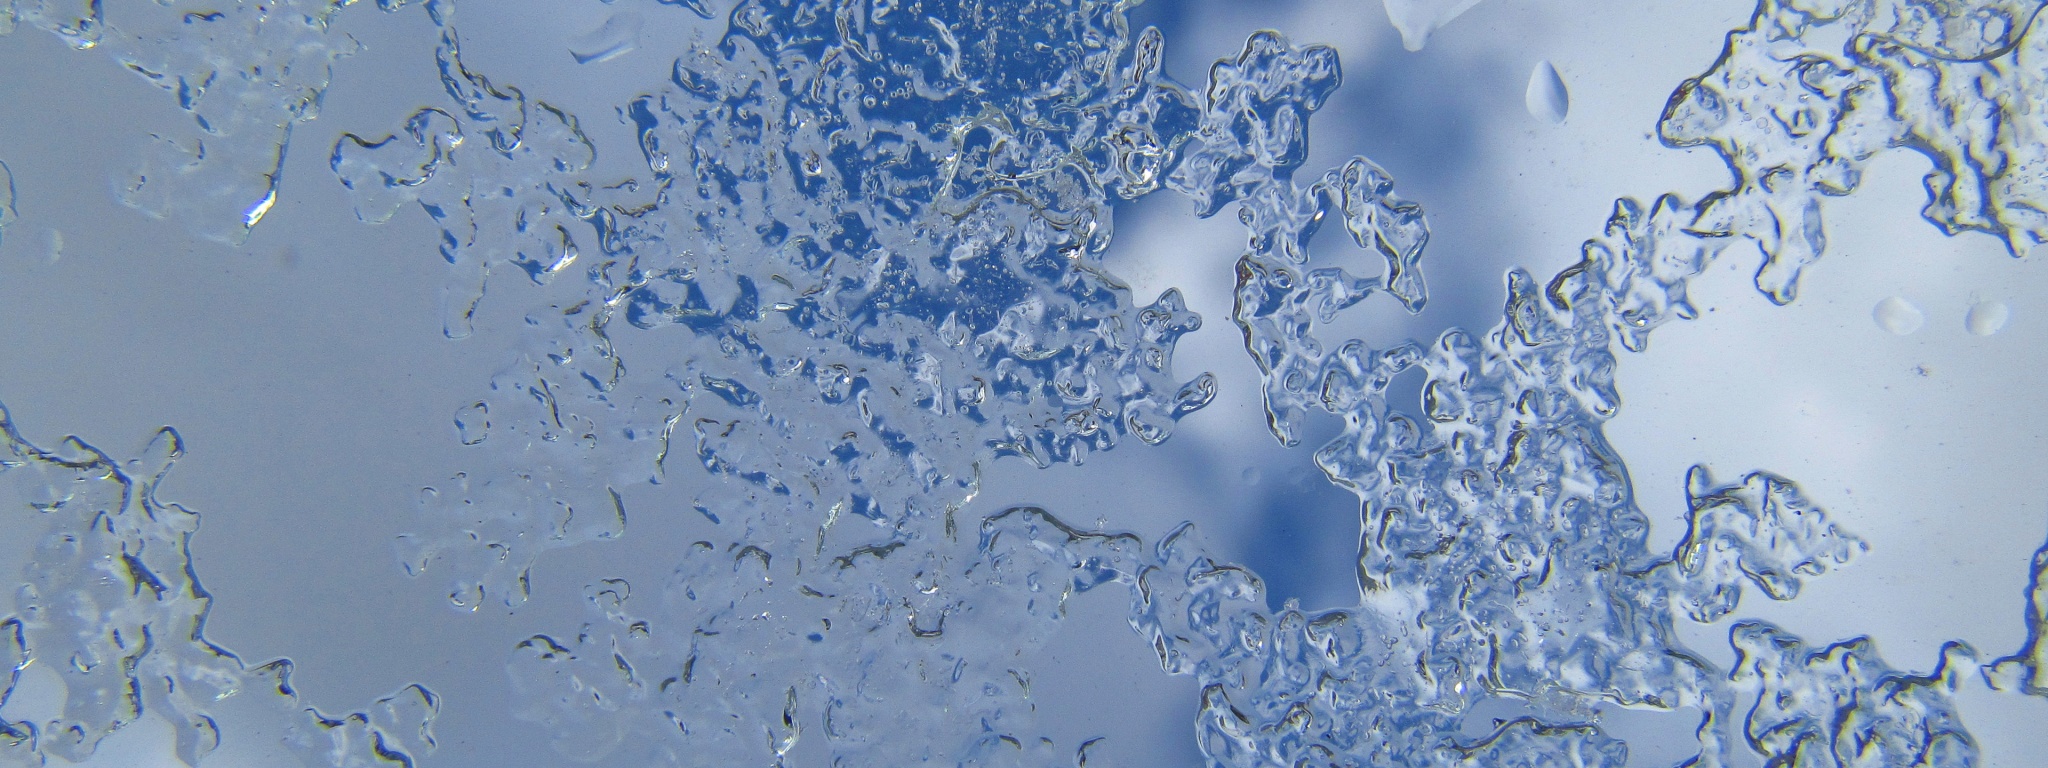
(1250, 475)
(1898, 316)
(1987, 317)
(1416, 19)
(618, 37)
(1546, 98)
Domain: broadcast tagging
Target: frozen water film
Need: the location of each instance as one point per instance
(854, 254)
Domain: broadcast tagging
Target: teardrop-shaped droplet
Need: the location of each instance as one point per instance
(1546, 98)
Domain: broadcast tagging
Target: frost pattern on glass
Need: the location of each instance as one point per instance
(247, 73)
(867, 250)
(1806, 94)
(1842, 705)
(878, 227)
(110, 602)
(1495, 514)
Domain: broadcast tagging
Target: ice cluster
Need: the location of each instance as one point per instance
(864, 261)
(111, 603)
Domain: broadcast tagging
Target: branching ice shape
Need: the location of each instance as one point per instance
(1761, 531)
(1841, 705)
(865, 260)
(111, 602)
(2027, 670)
(1806, 94)
(877, 229)
(1497, 514)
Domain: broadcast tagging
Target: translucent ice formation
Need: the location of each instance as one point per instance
(867, 241)
(110, 602)
(864, 260)
(1495, 513)
(247, 73)
(1810, 90)
(1417, 19)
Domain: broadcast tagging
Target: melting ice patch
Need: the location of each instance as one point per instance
(109, 600)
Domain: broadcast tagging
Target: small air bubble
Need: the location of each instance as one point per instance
(1251, 475)
(1546, 97)
(1898, 316)
(1987, 317)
